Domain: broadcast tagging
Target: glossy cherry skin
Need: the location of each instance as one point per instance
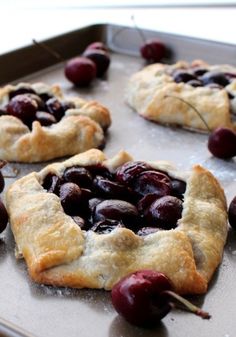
(178, 188)
(100, 58)
(2, 182)
(71, 197)
(117, 210)
(152, 182)
(153, 50)
(45, 118)
(215, 77)
(222, 143)
(232, 213)
(110, 189)
(140, 299)
(55, 107)
(165, 212)
(23, 107)
(21, 91)
(126, 173)
(3, 217)
(52, 183)
(98, 46)
(80, 71)
(183, 76)
(78, 175)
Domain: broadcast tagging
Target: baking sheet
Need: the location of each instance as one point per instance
(58, 312)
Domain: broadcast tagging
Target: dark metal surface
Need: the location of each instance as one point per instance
(57, 312)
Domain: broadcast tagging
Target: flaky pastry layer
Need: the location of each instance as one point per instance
(59, 253)
(150, 92)
(80, 129)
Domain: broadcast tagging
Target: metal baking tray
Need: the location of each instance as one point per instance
(58, 312)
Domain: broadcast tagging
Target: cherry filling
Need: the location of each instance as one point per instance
(198, 76)
(136, 196)
(25, 104)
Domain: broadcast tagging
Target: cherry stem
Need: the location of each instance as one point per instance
(191, 106)
(44, 46)
(188, 305)
(138, 30)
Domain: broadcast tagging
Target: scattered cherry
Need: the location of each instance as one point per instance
(80, 71)
(222, 143)
(153, 50)
(100, 58)
(144, 297)
(232, 213)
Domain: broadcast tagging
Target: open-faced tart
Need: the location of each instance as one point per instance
(211, 89)
(37, 123)
(89, 221)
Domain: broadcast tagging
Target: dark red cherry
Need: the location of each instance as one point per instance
(215, 77)
(23, 107)
(144, 297)
(152, 182)
(165, 212)
(2, 182)
(55, 107)
(117, 210)
(183, 76)
(145, 202)
(52, 183)
(78, 175)
(71, 197)
(100, 58)
(126, 173)
(21, 91)
(153, 50)
(199, 71)
(80, 71)
(232, 213)
(178, 187)
(110, 189)
(45, 118)
(98, 46)
(139, 297)
(93, 203)
(3, 217)
(106, 226)
(222, 143)
(39, 101)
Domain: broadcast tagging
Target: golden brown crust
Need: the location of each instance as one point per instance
(80, 129)
(58, 252)
(149, 90)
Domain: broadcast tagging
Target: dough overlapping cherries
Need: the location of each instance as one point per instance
(136, 196)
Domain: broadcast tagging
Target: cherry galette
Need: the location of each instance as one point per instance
(37, 123)
(171, 94)
(89, 221)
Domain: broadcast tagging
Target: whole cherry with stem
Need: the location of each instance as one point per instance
(152, 50)
(144, 297)
(221, 141)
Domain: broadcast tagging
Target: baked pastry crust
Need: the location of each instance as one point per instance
(58, 252)
(80, 129)
(149, 92)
